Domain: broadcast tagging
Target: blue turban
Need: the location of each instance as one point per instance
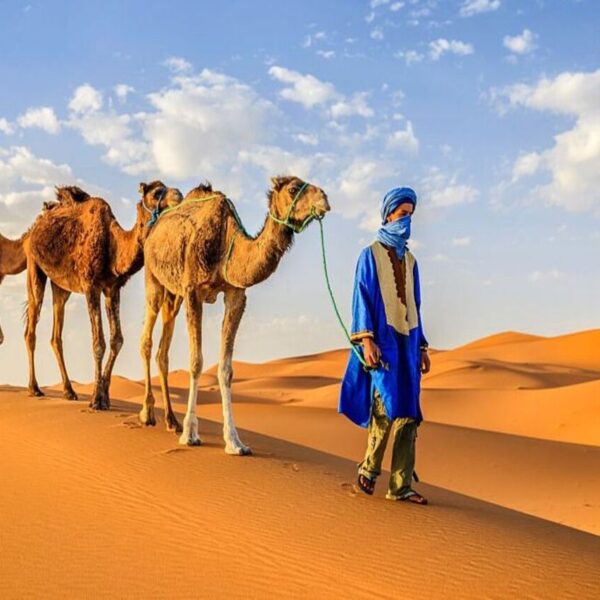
(396, 233)
(394, 198)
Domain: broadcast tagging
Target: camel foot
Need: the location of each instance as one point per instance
(238, 449)
(147, 417)
(69, 394)
(100, 401)
(173, 424)
(34, 390)
(190, 439)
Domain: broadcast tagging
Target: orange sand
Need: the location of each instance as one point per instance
(95, 505)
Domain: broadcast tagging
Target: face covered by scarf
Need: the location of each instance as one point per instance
(396, 233)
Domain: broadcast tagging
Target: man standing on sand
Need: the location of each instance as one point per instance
(386, 321)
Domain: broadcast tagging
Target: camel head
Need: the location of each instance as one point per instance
(296, 201)
(156, 196)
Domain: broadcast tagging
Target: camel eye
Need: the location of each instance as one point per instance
(293, 190)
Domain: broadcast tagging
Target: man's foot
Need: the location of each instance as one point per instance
(366, 484)
(410, 496)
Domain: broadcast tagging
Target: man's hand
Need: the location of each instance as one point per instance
(425, 362)
(372, 352)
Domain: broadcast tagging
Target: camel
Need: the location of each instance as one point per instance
(77, 243)
(12, 260)
(191, 255)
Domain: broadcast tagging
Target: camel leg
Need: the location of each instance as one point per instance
(169, 312)
(235, 303)
(154, 300)
(112, 302)
(99, 400)
(59, 299)
(36, 282)
(193, 306)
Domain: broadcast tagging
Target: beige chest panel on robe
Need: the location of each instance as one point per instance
(401, 318)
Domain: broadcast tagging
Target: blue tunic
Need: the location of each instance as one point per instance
(399, 385)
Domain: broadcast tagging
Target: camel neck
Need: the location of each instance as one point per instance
(128, 248)
(252, 260)
(12, 256)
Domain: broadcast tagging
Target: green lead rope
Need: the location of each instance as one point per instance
(335, 307)
(297, 229)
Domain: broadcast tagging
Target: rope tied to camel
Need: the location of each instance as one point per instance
(156, 213)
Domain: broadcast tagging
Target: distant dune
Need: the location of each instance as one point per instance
(95, 505)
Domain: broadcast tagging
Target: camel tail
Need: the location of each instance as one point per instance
(25, 306)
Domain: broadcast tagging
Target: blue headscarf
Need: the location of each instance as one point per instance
(396, 233)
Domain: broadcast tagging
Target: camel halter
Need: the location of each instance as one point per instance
(154, 212)
(287, 222)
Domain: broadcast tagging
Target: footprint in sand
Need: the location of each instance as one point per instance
(174, 450)
(351, 488)
(293, 466)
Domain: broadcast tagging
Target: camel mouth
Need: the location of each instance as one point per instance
(321, 211)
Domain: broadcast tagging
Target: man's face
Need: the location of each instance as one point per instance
(402, 210)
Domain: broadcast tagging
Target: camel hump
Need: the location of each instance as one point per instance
(71, 194)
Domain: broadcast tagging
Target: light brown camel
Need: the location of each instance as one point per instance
(197, 251)
(12, 260)
(78, 244)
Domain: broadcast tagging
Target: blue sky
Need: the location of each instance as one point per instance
(490, 109)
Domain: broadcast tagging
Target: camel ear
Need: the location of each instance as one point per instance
(279, 182)
(142, 188)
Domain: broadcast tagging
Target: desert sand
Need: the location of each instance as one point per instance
(94, 505)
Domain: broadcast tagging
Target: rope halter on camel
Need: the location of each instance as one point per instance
(154, 212)
(287, 221)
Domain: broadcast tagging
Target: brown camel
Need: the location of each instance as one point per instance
(197, 251)
(12, 260)
(78, 244)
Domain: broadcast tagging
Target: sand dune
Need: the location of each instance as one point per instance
(100, 506)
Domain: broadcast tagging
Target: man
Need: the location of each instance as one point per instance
(386, 322)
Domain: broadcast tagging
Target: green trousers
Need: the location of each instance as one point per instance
(403, 454)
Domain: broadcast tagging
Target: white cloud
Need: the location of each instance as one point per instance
(370, 17)
(462, 241)
(304, 89)
(404, 139)
(25, 182)
(475, 7)
(273, 159)
(85, 98)
(200, 124)
(42, 117)
(523, 43)
(309, 139)
(312, 38)
(327, 54)
(546, 275)
(376, 3)
(410, 56)
(377, 34)
(107, 128)
(396, 6)
(6, 127)
(358, 193)
(572, 162)
(441, 46)
(527, 164)
(357, 105)
(176, 64)
(122, 90)
(441, 190)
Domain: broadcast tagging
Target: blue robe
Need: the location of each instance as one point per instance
(399, 385)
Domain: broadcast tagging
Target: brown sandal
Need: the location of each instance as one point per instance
(413, 497)
(366, 484)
